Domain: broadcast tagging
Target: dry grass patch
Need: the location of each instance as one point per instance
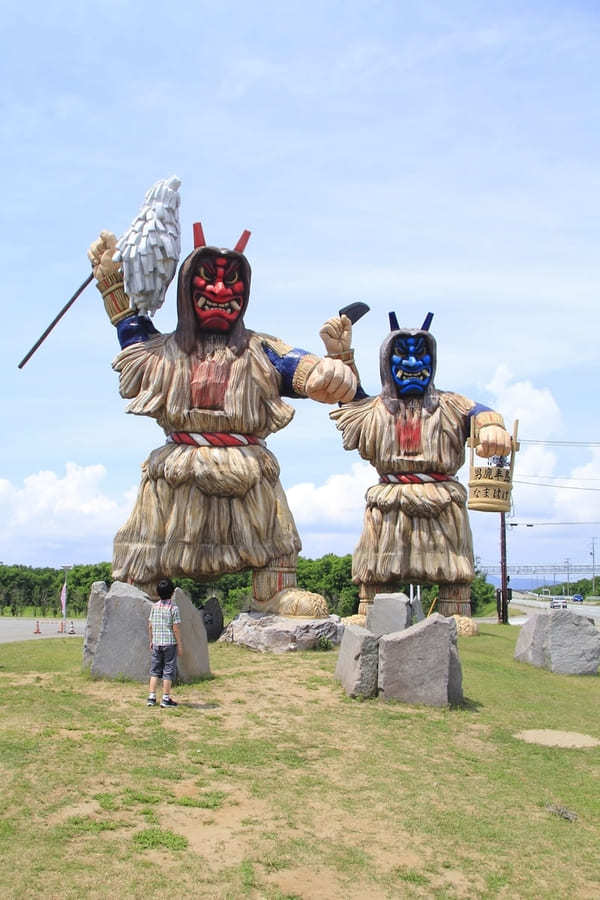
(267, 781)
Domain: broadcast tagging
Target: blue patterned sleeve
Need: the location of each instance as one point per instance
(293, 365)
(135, 329)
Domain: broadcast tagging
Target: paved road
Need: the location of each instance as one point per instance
(15, 629)
(524, 600)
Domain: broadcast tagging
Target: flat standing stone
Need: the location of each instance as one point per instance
(561, 641)
(358, 661)
(193, 662)
(421, 663)
(93, 623)
(389, 613)
(122, 647)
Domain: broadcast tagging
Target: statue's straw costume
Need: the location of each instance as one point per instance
(210, 500)
(416, 527)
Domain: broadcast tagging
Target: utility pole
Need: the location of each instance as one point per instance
(593, 555)
(567, 563)
(503, 611)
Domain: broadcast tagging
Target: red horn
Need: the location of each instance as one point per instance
(199, 239)
(243, 240)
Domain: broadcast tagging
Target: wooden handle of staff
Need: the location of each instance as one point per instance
(67, 305)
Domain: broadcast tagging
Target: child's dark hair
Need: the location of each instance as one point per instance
(165, 588)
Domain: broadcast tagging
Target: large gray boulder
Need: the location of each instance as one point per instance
(193, 663)
(389, 613)
(393, 612)
(94, 621)
(116, 643)
(281, 634)
(421, 663)
(561, 641)
(358, 661)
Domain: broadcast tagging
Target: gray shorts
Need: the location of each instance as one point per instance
(164, 661)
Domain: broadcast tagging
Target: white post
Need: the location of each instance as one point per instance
(64, 604)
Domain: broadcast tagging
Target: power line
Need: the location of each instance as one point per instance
(535, 524)
(562, 477)
(564, 487)
(540, 568)
(562, 443)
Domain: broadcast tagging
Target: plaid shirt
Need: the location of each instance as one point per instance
(162, 618)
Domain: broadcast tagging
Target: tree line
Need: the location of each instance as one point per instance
(583, 586)
(25, 590)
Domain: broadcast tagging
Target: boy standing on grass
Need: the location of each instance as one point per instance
(165, 642)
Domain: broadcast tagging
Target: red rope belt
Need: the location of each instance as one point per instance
(214, 439)
(415, 478)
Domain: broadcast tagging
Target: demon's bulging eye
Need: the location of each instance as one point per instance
(203, 273)
(231, 277)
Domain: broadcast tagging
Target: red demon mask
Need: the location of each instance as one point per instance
(218, 290)
(220, 283)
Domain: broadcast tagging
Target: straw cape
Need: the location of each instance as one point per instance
(417, 531)
(202, 511)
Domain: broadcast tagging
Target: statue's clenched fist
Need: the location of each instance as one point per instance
(331, 382)
(336, 334)
(493, 441)
(101, 254)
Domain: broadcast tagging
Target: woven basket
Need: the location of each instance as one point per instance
(490, 486)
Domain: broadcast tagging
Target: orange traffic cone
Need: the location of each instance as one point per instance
(37, 629)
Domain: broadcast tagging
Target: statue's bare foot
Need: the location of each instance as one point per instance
(294, 602)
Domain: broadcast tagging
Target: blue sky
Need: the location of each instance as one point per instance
(416, 155)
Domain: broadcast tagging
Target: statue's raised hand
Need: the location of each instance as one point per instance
(101, 254)
(493, 441)
(109, 277)
(336, 334)
(331, 382)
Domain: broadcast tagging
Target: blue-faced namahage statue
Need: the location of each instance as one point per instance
(416, 527)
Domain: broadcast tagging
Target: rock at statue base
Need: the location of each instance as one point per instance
(389, 613)
(116, 640)
(193, 663)
(465, 626)
(212, 615)
(281, 634)
(561, 641)
(94, 621)
(358, 662)
(421, 664)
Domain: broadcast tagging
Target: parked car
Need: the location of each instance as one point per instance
(577, 598)
(558, 603)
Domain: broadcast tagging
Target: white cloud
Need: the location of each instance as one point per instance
(573, 505)
(338, 503)
(536, 409)
(53, 518)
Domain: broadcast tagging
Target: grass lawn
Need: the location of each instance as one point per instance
(269, 782)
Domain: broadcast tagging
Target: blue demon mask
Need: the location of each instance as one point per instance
(412, 364)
